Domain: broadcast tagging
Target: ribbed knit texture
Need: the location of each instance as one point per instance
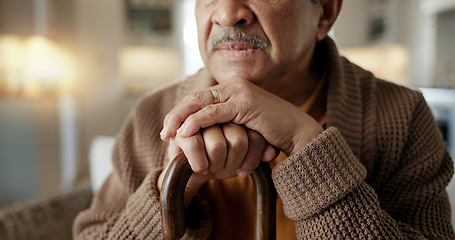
(378, 171)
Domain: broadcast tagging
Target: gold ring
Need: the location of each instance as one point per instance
(216, 96)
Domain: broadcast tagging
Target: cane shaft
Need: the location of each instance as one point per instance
(172, 200)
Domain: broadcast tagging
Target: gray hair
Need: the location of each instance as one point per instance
(238, 35)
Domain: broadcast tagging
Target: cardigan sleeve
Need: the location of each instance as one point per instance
(115, 214)
(323, 188)
(127, 206)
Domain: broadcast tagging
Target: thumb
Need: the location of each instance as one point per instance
(269, 153)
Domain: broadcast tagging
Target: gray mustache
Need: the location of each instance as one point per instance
(235, 35)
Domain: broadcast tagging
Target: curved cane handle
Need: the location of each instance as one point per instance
(173, 189)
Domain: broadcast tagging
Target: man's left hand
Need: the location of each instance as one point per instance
(282, 124)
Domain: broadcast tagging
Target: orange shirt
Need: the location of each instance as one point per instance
(232, 200)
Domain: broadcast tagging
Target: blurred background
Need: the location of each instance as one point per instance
(71, 71)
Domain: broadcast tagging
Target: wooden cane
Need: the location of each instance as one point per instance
(173, 189)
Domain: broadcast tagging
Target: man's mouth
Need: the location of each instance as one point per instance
(235, 46)
(236, 49)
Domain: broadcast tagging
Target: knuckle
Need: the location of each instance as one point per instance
(248, 95)
(210, 110)
(239, 144)
(193, 143)
(218, 149)
(198, 167)
(171, 119)
(217, 152)
(166, 118)
(190, 121)
(255, 138)
(192, 148)
(244, 104)
(194, 97)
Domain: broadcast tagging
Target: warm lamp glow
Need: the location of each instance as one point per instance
(11, 61)
(34, 66)
(145, 67)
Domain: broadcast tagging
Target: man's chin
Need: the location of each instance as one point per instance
(251, 68)
(223, 75)
(224, 72)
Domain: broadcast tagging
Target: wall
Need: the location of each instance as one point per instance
(29, 135)
(104, 104)
(93, 31)
(351, 28)
(406, 23)
(30, 141)
(445, 50)
(16, 17)
(29, 148)
(99, 37)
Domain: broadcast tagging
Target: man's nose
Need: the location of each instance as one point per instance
(230, 13)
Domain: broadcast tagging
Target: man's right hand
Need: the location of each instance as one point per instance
(219, 152)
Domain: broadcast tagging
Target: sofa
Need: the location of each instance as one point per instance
(47, 218)
(51, 217)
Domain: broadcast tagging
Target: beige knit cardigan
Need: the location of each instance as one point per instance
(379, 170)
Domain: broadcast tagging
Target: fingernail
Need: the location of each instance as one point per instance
(205, 172)
(243, 174)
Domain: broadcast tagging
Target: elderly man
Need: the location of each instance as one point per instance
(360, 157)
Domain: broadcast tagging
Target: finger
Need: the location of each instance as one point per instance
(256, 145)
(237, 145)
(215, 147)
(269, 153)
(192, 103)
(173, 149)
(208, 116)
(194, 150)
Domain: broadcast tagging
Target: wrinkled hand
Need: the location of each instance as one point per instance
(219, 152)
(282, 124)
